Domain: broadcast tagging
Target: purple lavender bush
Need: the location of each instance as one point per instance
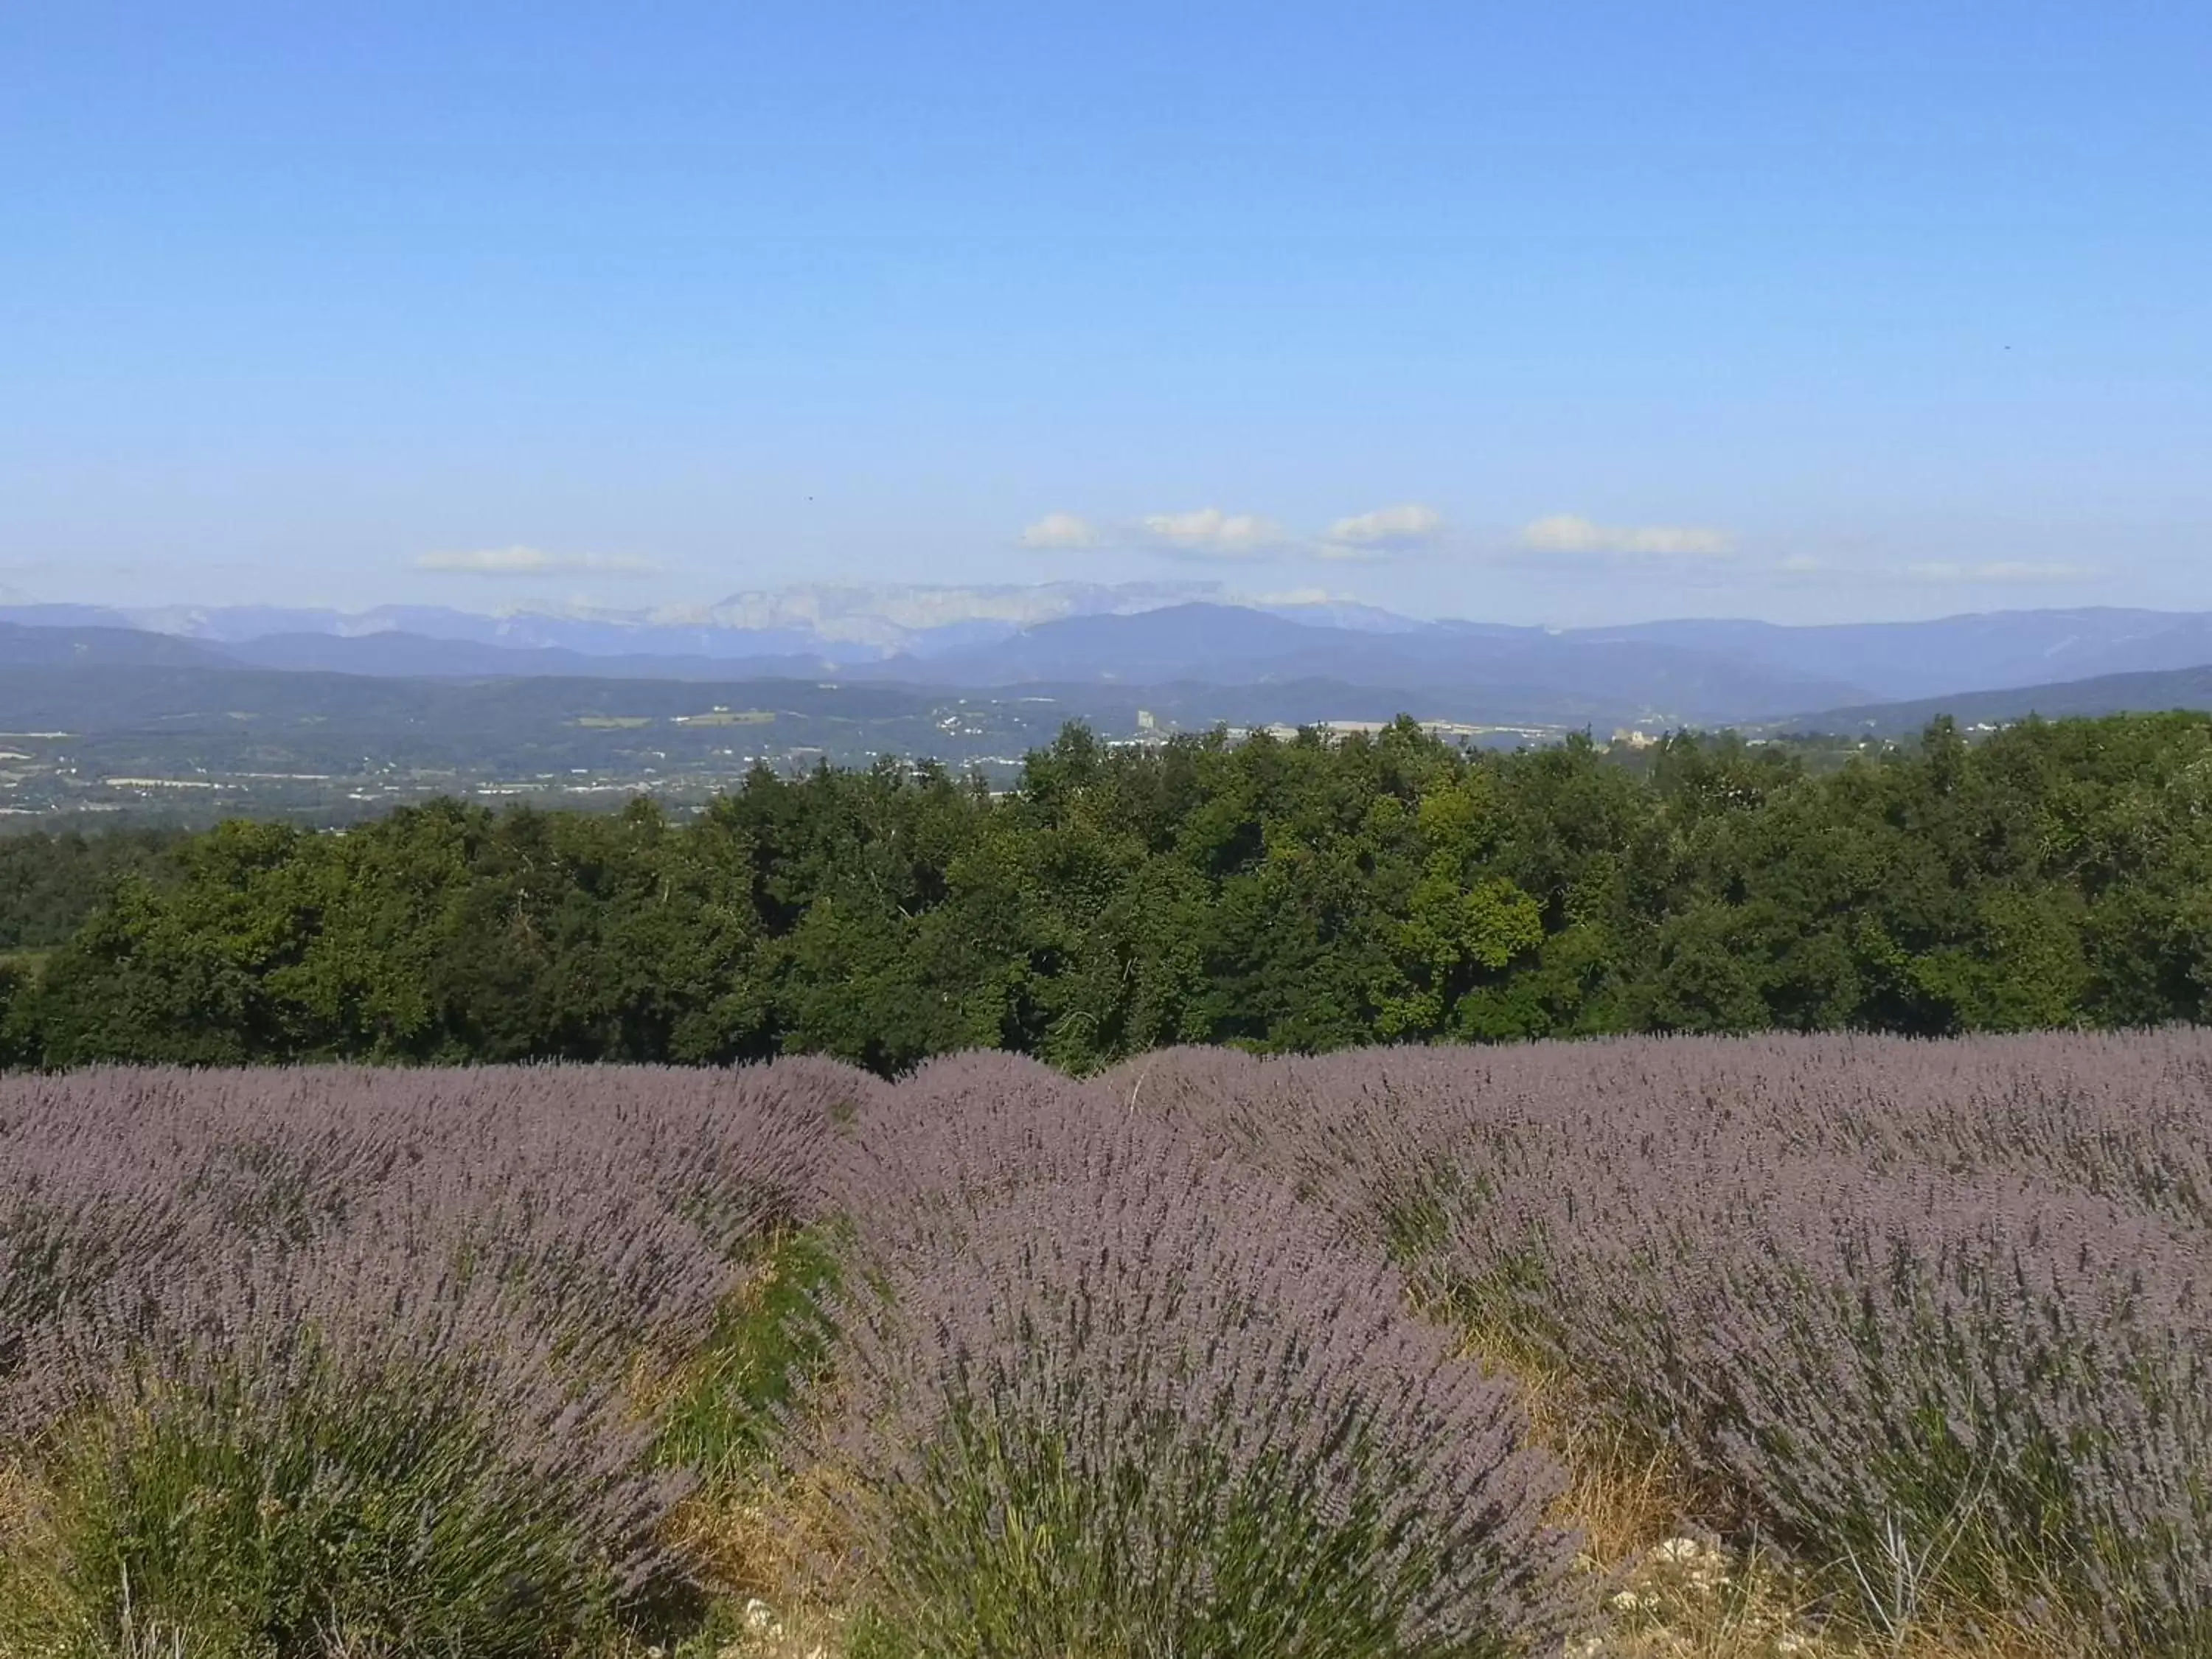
(360, 1461)
(1935, 1314)
(1110, 1394)
(301, 1359)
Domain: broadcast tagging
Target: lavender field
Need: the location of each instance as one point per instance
(1871, 1345)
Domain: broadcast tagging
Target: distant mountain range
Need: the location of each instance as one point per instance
(844, 623)
(2106, 694)
(1989, 651)
(1071, 636)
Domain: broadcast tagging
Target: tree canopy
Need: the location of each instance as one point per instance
(1302, 895)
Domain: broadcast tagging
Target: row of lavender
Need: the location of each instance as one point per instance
(1124, 1394)
(1936, 1316)
(342, 1362)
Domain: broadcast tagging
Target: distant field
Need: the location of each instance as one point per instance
(729, 717)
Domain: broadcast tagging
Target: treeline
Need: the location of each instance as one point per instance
(1299, 896)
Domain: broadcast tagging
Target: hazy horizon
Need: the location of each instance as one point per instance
(922, 605)
(1576, 316)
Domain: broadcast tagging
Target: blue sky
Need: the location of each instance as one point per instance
(1565, 313)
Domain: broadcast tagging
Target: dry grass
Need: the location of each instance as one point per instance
(760, 1551)
(764, 1540)
(1626, 1494)
(18, 1506)
(764, 1549)
(26, 1546)
(1688, 1599)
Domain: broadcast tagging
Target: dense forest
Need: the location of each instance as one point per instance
(50, 882)
(1296, 896)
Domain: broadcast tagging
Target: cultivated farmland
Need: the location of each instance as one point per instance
(1786, 1345)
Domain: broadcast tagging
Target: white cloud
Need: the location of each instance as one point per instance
(1567, 532)
(1401, 529)
(1057, 532)
(1801, 564)
(534, 561)
(1210, 533)
(1999, 572)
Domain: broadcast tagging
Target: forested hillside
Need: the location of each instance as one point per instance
(1299, 896)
